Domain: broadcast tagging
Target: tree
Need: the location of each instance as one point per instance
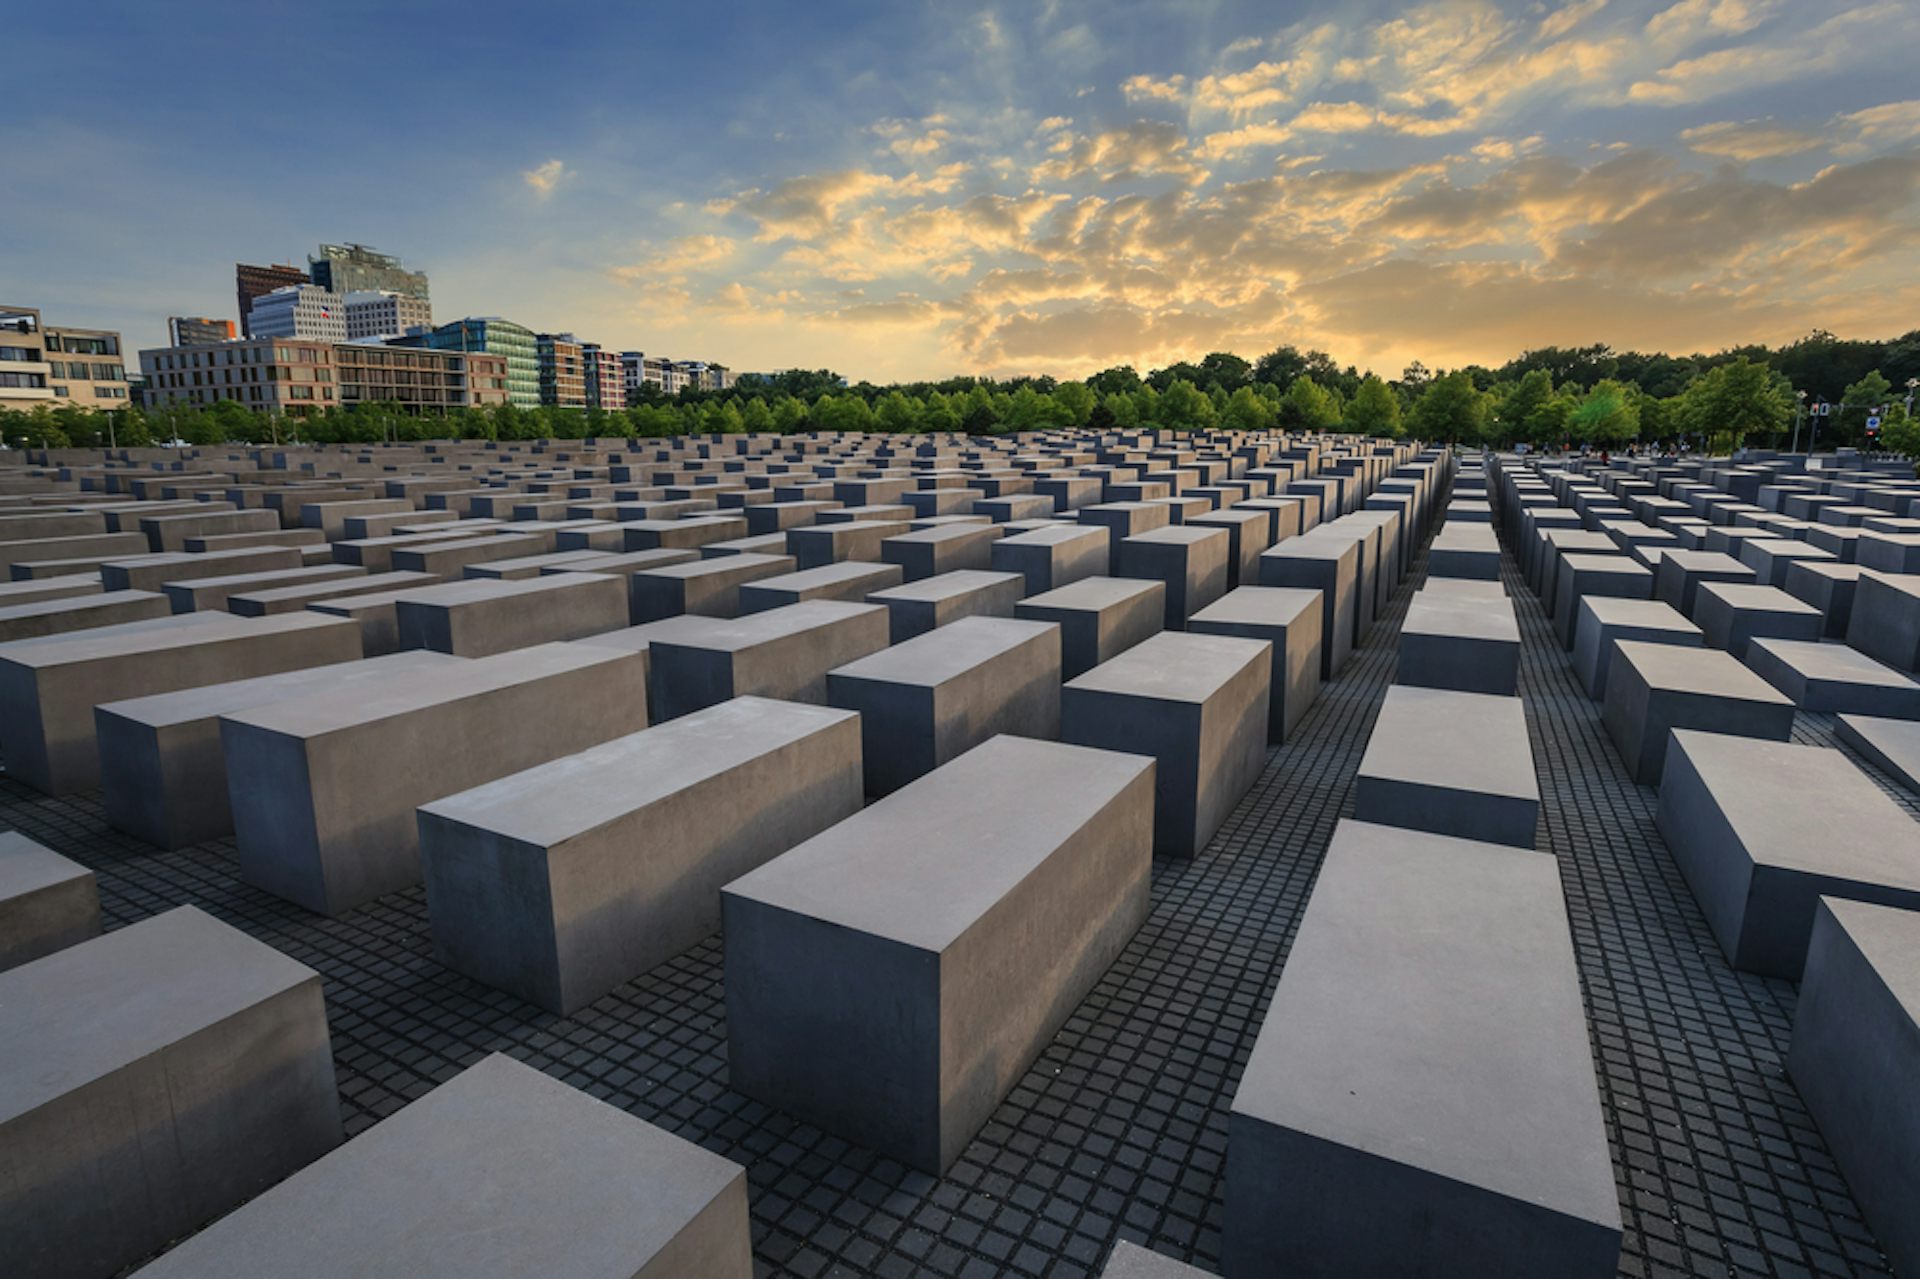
(842, 413)
(789, 414)
(1183, 406)
(1225, 370)
(1900, 434)
(757, 416)
(1248, 411)
(939, 413)
(1450, 409)
(1374, 410)
(1032, 411)
(1857, 402)
(1307, 406)
(1076, 400)
(1121, 379)
(1732, 401)
(1606, 416)
(1123, 409)
(896, 412)
(1516, 407)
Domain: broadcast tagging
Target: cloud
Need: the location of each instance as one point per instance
(1145, 148)
(545, 178)
(1890, 124)
(1144, 88)
(1749, 140)
(803, 208)
(1848, 38)
(915, 139)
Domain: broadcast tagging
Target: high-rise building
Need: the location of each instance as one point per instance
(381, 314)
(563, 377)
(606, 380)
(23, 359)
(491, 335)
(299, 311)
(355, 268)
(251, 282)
(185, 330)
(86, 367)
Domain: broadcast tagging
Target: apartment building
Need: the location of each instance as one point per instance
(299, 311)
(418, 380)
(23, 359)
(86, 367)
(606, 380)
(355, 268)
(563, 377)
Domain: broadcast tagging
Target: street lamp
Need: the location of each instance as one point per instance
(1912, 382)
(1798, 413)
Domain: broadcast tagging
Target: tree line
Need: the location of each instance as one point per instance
(1551, 397)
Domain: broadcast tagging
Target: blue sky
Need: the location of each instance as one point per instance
(901, 190)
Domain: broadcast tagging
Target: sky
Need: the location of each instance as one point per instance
(900, 190)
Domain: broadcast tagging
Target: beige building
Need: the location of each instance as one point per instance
(86, 367)
(58, 364)
(295, 376)
(23, 359)
(384, 314)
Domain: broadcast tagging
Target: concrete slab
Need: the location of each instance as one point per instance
(1890, 745)
(1579, 575)
(1855, 1055)
(933, 698)
(562, 882)
(1757, 855)
(1050, 558)
(1605, 621)
(1885, 619)
(1190, 559)
(1099, 618)
(1198, 704)
(851, 581)
(480, 617)
(1464, 550)
(71, 613)
(1732, 616)
(709, 588)
(48, 688)
(1330, 566)
(891, 979)
(1653, 689)
(163, 777)
(1450, 763)
(1130, 1261)
(945, 548)
(1351, 1149)
(1288, 619)
(1828, 588)
(213, 592)
(499, 1169)
(151, 1079)
(47, 903)
(779, 653)
(324, 789)
(1678, 578)
(1834, 678)
(916, 608)
(1469, 645)
(818, 544)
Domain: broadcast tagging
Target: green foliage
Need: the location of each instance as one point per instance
(1731, 402)
(1450, 409)
(1606, 416)
(1374, 410)
(1183, 406)
(1247, 410)
(1307, 406)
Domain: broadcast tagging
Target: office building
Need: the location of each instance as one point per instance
(378, 315)
(606, 381)
(563, 378)
(198, 331)
(23, 359)
(295, 376)
(418, 380)
(299, 311)
(275, 375)
(491, 335)
(355, 268)
(251, 282)
(86, 367)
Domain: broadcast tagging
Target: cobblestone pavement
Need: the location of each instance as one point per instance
(1119, 1129)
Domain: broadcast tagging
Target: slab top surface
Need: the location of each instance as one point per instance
(922, 865)
(1460, 741)
(1174, 666)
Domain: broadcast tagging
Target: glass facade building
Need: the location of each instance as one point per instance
(494, 336)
